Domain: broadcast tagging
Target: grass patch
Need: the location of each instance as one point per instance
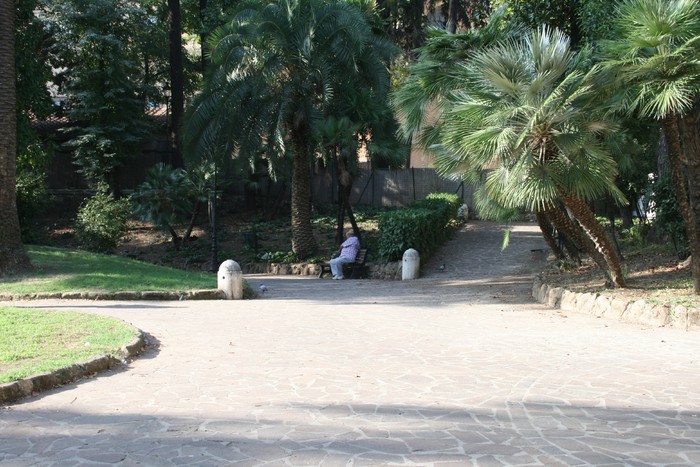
(39, 341)
(60, 270)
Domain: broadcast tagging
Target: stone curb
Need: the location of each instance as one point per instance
(10, 392)
(595, 304)
(205, 294)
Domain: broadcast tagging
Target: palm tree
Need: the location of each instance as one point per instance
(655, 57)
(275, 68)
(421, 98)
(13, 258)
(526, 116)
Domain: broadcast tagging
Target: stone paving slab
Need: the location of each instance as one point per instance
(457, 368)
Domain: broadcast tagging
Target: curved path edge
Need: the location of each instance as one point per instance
(15, 390)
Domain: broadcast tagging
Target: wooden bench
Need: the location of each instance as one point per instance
(355, 270)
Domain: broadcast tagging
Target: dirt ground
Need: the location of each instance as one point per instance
(655, 274)
(241, 236)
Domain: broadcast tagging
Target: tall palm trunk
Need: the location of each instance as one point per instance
(567, 227)
(177, 80)
(673, 143)
(690, 139)
(13, 259)
(546, 228)
(303, 241)
(344, 189)
(594, 230)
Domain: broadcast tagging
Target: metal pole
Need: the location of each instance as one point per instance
(214, 246)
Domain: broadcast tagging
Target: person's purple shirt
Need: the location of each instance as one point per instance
(350, 247)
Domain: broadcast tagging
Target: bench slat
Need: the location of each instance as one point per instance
(357, 268)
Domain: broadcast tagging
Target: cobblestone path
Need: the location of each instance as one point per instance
(457, 368)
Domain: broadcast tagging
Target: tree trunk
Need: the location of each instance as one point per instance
(175, 237)
(573, 232)
(351, 216)
(344, 188)
(303, 241)
(569, 249)
(13, 258)
(673, 142)
(546, 228)
(690, 139)
(177, 82)
(196, 208)
(452, 13)
(203, 34)
(595, 232)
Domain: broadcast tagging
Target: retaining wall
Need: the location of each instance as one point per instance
(595, 304)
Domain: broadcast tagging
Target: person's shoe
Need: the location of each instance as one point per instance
(339, 278)
(335, 278)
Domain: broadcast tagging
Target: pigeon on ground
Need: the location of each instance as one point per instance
(263, 288)
(441, 268)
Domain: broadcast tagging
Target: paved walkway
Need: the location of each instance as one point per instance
(457, 368)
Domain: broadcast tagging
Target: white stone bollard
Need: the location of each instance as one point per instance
(411, 265)
(231, 280)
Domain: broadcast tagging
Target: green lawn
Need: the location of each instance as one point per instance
(60, 270)
(38, 341)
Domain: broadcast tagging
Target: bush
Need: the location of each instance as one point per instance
(424, 226)
(446, 204)
(169, 196)
(101, 221)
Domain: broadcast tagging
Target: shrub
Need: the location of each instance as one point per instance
(169, 196)
(101, 221)
(423, 226)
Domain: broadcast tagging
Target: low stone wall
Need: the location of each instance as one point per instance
(282, 269)
(595, 304)
(204, 294)
(15, 390)
(386, 271)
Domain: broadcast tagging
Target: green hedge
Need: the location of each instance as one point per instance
(423, 226)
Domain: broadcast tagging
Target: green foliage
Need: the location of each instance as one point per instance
(101, 221)
(169, 196)
(277, 70)
(164, 197)
(596, 18)
(61, 270)
(560, 14)
(249, 292)
(669, 219)
(423, 95)
(584, 20)
(287, 257)
(33, 72)
(526, 126)
(653, 56)
(423, 226)
(403, 229)
(107, 98)
(447, 203)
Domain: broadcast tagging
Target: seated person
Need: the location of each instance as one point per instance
(348, 252)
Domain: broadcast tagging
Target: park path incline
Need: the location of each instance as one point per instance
(460, 367)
